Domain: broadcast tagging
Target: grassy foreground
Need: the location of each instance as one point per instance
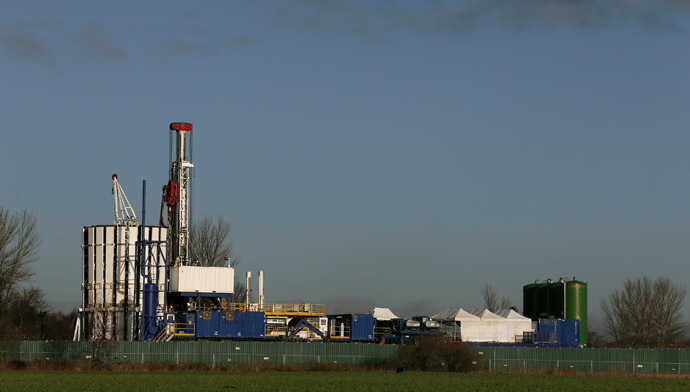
(324, 381)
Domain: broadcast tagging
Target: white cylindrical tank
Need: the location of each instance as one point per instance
(110, 299)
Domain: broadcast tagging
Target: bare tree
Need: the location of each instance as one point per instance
(19, 243)
(26, 311)
(645, 313)
(491, 300)
(210, 245)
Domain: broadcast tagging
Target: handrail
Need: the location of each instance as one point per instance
(183, 329)
(311, 309)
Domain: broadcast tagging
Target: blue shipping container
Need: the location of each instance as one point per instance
(362, 327)
(353, 327)
(558, 331)
(228, 324)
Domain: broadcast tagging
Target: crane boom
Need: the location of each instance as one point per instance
(124, 213)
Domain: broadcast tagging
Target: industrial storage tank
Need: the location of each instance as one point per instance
(557, 299)
(112, 285)
(576, 305)
(543, 299)
(529, 300)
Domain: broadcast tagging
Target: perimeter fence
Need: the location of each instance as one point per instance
(492, 358)
(213, 353)
(590, 360)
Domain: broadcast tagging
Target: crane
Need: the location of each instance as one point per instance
(124, 213)
(125, 219)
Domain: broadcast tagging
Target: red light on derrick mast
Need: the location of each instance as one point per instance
(178, 126)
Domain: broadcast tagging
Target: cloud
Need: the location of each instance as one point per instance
(582, 14)
(244, 40)
(26, 46)
(92, 43)
(413, 308)
(179, 47)
(346, 305)
(328, 16)
(452, 16)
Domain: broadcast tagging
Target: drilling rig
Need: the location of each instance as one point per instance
(176, 194)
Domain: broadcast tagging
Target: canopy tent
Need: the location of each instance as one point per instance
(383, 314)
(517, 323)
(454, 314)
(494, 328)
(459, 324)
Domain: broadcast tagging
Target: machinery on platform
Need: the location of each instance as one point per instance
(143, 283)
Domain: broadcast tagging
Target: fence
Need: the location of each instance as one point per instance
(216, 353)
(589, 360)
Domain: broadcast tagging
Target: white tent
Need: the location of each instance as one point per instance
(517, 323)
(383, 314)
(494, 328)
(459, 324)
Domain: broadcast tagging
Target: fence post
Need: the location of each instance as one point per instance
(283, 359)
(524, 365)
(591, 366)
(214, 360)
(142, 357)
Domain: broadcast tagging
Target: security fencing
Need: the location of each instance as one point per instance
(491, 358)
(588, 360)
(213, 353)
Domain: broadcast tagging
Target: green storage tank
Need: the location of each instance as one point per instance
(529, 300)
(576, 305)
(543, 292)
(556, 299)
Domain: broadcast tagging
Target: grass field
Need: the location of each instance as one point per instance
(324, 381)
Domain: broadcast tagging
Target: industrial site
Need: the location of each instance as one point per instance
(140, 283)
(327, 195)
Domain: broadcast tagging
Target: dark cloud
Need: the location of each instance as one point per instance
(346, 305)
(415, 308)
(582, 14)
(92, 43)
(181, 47)
(26, 46)
(461, 17)
(244, 40)
(352, 304)
(328, 16)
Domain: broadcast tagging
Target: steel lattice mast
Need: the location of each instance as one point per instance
(176, 195)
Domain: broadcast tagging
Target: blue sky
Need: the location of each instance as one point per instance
(387, 153)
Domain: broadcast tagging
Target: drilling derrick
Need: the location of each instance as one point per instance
(176, 194)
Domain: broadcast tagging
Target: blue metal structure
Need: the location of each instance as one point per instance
(152, 259)
(351, 327)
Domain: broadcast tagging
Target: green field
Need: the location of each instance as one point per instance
(324, 381)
